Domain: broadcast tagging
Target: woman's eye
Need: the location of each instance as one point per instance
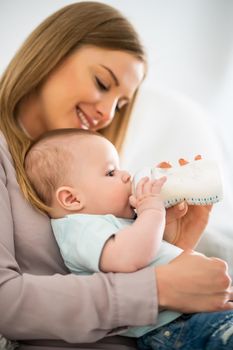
(101, 85)
(111, 173)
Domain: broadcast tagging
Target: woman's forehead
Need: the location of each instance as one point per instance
(121, 63)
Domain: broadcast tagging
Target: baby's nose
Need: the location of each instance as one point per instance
(125, 177)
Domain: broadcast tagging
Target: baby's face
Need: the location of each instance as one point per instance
(105, 188)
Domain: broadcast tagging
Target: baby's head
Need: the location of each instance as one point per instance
(77, 171)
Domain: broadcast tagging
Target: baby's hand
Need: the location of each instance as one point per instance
(147, 195)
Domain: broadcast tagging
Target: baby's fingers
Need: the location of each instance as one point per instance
(132, 201)
(157, 185)
(140, 186)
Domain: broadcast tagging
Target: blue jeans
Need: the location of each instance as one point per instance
(201, 331)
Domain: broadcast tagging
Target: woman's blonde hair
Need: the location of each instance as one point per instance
(73, 26)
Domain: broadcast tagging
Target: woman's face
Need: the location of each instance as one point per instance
(85, 91)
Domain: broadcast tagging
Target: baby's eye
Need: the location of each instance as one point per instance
(111, 172)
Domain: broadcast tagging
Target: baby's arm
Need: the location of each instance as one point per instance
(135, 246)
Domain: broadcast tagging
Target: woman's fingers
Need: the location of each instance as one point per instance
(176, 212)
(227, 306)
(194, 283)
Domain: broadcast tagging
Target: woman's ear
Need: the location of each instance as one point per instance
(69, 198)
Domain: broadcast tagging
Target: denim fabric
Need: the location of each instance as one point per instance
(201, 331)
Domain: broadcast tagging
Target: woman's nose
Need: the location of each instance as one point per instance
(106, 108)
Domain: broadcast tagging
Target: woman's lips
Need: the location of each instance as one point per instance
(85, 124)
(86, 121)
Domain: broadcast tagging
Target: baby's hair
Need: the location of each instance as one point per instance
(48, 159)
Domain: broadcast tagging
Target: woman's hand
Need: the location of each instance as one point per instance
(194, 283)
(185, 224)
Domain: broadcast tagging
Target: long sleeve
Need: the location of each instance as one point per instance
(39, 300)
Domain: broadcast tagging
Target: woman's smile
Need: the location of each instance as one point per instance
(86, 122)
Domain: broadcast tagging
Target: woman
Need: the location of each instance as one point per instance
(81, 68)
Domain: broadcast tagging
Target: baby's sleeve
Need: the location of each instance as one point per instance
(81, 239)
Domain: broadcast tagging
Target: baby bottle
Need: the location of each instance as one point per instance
(197, 182)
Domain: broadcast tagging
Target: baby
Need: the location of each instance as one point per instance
(89, 198)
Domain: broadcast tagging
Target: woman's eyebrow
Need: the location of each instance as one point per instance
(112, 75)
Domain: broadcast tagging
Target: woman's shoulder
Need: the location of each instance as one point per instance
(2, 138)
(6, 161)
(3, 143)
(4, 149)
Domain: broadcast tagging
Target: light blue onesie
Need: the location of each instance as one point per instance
(81, 238)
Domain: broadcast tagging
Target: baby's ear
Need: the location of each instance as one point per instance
(69, 198)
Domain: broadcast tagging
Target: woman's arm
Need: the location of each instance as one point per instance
(68, 307)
